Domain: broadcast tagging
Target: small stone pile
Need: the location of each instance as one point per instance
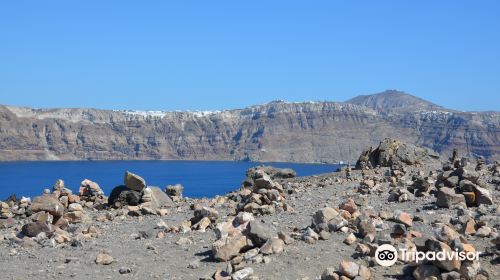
(91, 193)
(422, 185)
(51, 213)
(175, 192)
(260, 194)
(5, 210)
(480, 165)
(495, 170)
(370, 185)
(203, 217)
(459, 186)
(328, 220)
(242, 240)
(48, 220)
(447, 240)
(347, 270)
(137, 197)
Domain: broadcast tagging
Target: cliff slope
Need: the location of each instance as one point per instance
(277, 131)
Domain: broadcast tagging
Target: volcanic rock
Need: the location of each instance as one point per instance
(134, 182)
(47, 203)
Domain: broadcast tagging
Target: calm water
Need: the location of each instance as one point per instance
(200, 178)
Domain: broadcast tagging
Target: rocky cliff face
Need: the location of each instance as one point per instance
(277, 131)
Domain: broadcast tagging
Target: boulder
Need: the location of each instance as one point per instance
(47, 203)
(349, 205)
(403, 218)
(75, 217)
(272, 246)
(7, 223)
(447, 198)
(159, 198)
(205, 212)
(134, 181)
(324, 215)
(395, 152)
(34, 228)
(366, 226)
(75, 207)
(264, 182)
(226, 248)
(122, 196)
(483, 196)
(470, 270)
(447, 264)
(259, 233)
(349, 269)
(202, 224)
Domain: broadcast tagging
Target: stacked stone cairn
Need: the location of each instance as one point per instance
(175, 192)
(260, 194)
(242, 240)
(461, 186)
(91, 194)
(138, 198)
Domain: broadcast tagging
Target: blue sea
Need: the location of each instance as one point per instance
(199, 178)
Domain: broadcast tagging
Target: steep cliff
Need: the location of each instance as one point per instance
(277, 131)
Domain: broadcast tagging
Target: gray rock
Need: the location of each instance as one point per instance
(447, 198)
(125, 270)
(159, 198)
(134, 181)
(452, 181)
(324, 215)
(122, 196)
(259, 233)
(203, 212)
(483, 196)
(34, 228)
(243, 274)
(349, 269)
(47, 203)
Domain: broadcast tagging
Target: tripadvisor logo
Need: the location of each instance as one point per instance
(387, 255)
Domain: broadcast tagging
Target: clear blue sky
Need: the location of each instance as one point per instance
(170, 55)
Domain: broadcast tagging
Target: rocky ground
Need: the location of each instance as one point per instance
(276, 226)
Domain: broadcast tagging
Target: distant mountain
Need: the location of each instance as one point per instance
(393, 99)
(277, 131)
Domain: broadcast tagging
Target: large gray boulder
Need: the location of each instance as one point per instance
(47, 203)
(134, 181)
(34, 228)
(259, 233)
(448, 198)
(159, 198)
(395, 152)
